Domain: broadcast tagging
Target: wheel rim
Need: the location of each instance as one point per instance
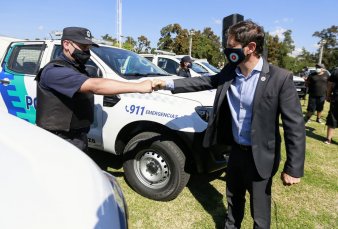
(152, 169)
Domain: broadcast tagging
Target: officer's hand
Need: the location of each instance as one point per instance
(158, 84)
(289, 180)
(146, 86)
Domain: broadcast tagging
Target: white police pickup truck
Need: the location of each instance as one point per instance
(158, 135)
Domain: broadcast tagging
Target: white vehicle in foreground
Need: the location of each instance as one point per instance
(48, 183)
(158, 136)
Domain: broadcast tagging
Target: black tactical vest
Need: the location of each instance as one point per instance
(57, 112)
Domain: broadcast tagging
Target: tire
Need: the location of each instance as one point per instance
(154, 166)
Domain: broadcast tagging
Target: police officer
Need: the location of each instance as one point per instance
(185, 65)
(65, 100)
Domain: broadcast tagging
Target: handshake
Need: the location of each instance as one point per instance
(149, 86)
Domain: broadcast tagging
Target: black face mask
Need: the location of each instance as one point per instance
(234, 55)
(81, 57)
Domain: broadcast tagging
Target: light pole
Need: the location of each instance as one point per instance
(191, 33)
(321, 43)
(119, 22)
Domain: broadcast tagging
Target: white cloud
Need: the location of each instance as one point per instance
(287, 20)
(40, 27)
(316, 45)
(218, 21)
(279, 32)
(296, 52)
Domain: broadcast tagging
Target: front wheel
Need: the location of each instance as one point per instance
(154, 166)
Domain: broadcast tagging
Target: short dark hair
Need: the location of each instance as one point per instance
(247, 31)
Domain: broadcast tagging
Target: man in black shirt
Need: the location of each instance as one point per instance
(332, 97)
(317, 85)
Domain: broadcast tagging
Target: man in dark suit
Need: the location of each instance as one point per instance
(251, 97)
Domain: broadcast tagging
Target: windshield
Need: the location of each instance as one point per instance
(197, 68)
(212, 68)
(126, 63)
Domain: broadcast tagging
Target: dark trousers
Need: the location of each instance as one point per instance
(76, 137)
(242, 176)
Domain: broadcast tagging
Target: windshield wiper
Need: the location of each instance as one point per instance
(158, 74)
(135, 74)
(145, 74)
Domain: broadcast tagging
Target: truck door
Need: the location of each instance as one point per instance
(17, 85)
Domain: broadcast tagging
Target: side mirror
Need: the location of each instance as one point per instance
(93, 71)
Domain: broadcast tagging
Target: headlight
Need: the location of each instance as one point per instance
(204, 112)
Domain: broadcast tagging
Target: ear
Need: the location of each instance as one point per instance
(66, 45)
(252, 47)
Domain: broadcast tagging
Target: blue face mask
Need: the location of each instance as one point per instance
(234, 55)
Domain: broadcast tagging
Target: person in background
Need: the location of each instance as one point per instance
(317, 86)
(65, 91)
(332, 97)
(251, 96)
(185, 65)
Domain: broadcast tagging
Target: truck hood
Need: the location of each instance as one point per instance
(205, 98)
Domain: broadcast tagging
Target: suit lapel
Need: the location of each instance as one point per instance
(261, 84)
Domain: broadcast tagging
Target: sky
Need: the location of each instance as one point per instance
(37, 19)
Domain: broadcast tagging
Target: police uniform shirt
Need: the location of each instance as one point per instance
(64, 80)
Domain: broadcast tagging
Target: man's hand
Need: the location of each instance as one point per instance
(145, 86)
(289, 180)
(158, 84)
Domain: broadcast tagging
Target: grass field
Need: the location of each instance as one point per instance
(311, 204)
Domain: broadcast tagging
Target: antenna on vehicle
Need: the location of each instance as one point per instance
(55, 34)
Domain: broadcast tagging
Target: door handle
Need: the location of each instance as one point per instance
(111, 100)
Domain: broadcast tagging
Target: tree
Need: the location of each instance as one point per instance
(109, 38)
(204, 44)
(286, 48)
(129, 43)
(143, 45)
(168, 35)
(207, 45)
(304, 59)
(330, 50)
(273, 46)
